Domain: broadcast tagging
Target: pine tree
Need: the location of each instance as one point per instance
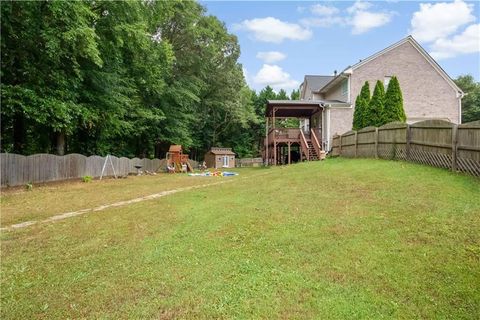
(282, 95)
(295, 95)
(374, 113)
(393, 110)
(361, 105)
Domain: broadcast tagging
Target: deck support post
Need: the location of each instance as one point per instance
(274, 153)
(266, 142)
(289, 154)
(273, 124)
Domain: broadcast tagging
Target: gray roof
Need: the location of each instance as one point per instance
(298, 108)
(316, 83)
(305, 102)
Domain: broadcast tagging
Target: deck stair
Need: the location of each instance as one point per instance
(312, 154)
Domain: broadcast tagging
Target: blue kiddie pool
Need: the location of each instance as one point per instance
(229, 174)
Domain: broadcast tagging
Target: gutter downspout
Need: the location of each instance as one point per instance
(460, 96)
(327, 114)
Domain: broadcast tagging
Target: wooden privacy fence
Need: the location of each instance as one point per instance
(18, 170)
(249, 162)
(433, 142)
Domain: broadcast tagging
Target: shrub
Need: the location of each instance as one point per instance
(29, 186)
(361, 106)
(87, 178)
(374, 114)
(393, 110)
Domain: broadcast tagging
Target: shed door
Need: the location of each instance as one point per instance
(226, 161)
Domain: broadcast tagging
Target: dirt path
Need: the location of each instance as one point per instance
(67, 215)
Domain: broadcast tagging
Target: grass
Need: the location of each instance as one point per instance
(334, 239)
(54, 198)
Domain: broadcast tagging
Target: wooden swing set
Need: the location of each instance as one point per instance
(177, 161)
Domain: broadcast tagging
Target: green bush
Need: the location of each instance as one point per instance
(361, 106)
(29, 186)
(87, 178)
(393, 110)
(374, 113)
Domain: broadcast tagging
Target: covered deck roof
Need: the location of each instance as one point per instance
(299, 108)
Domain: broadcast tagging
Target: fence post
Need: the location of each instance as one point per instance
(356, 143)
(454, 147)
(376, 143)
(409, 138)
(340, 146)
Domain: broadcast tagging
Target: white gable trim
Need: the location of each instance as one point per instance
(422, 51)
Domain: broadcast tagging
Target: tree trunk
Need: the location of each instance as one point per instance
(157, 150)
(60, 149)
(19, 133)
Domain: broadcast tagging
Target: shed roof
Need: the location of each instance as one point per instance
(216, 150)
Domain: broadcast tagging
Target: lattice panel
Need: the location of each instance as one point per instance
(468, 166)
(431, 158)
(392, 151)
(430, 142)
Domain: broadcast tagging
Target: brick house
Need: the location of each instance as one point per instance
(428, 91)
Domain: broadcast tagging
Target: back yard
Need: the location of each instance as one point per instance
(334, 239)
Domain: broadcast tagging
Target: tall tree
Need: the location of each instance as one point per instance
(393, 109)
(295, 95)
(126, 78)
(361, 107)
(44, 45)
(471, 101)
(374, 112)
(282, 95)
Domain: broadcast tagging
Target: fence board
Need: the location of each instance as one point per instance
(249, 162)
(39, 168)
(366, 142)
(392, 141)
(433, 142)
(468, 148)
(336, 145)
(348, 141)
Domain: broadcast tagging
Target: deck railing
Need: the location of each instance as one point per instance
(304, 145)
(315, 141)
(292, 134)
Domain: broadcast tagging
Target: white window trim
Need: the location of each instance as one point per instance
(349, 89)
(226, 162)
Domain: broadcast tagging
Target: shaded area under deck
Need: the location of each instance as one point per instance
(287, 145)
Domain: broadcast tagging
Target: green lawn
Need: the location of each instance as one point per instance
(332, 240)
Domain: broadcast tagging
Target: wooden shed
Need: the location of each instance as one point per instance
(220, 158)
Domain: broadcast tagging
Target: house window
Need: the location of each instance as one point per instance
(386, 81)
(345, 87)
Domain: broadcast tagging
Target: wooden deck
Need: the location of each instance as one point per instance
(281, 142)
(285, 135)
